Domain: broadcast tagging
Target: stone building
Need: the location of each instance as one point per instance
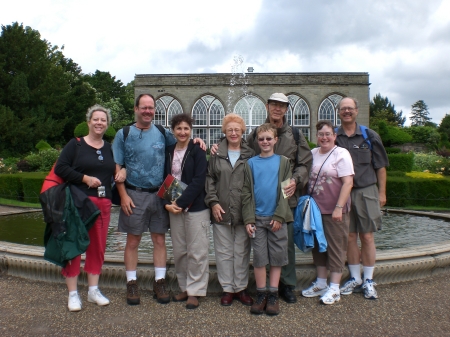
(208, 97)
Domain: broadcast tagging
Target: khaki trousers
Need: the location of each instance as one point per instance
(232, 247)
(190, 240)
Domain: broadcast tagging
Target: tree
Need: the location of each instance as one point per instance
(382, 109)
(42, 92)
(444, 131)
(419, 114)
(112, 94)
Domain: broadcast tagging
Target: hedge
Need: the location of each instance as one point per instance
(407, 191)
(22, 186)
(401, 162)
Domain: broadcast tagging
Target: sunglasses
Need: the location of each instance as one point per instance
(265, 138)
(100, 157)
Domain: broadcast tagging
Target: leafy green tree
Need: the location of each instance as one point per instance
(42, 92)
(393, 135)
(382, 109)
(114, 95)
(419, 114)
(424, 134)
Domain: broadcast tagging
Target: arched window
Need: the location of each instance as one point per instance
(298, 114)
(166, 108)
(208, 113)
(328, 109)
(252, 110)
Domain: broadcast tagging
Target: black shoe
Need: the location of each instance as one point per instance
(287, 294)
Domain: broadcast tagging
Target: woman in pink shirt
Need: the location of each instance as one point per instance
(330, 183)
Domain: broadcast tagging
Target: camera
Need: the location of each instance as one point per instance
(101, 192)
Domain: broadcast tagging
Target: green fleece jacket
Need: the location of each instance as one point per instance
(283, 212)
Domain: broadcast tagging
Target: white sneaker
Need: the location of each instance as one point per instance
(74, 303)
(330, 297)
(314, 291)
(351, 286)
(369, 290)
(96, 296)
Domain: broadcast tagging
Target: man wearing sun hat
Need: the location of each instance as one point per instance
(293, 145)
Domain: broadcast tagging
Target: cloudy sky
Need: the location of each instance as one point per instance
(404, 45)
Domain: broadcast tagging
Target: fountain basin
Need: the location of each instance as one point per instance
(393, 265)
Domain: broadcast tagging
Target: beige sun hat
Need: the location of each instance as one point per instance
(278, 96)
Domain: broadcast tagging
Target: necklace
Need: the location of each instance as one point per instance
(142, 129)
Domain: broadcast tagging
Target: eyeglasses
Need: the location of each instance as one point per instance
(233, 130)
(265, 138)
(347, 108)
(326, 134)
(100, 157)
(144, 108)
(278, 105)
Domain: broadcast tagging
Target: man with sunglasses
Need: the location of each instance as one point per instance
(369, 162)
(299, 154)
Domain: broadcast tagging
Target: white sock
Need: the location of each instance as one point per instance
(160, 273)
(368, 272)
(75, 292)
(355, 271)
(92, 288)
(334, 286)
(131, 275)
(321, 283)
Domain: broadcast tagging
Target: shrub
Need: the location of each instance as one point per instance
(396, 173)
(11, 187)
(443, 152)
(110, 134)
(48, 158)
(312, 145)
(424, 134)
(391, 135)
(401, 162)
(42, 145)
(82, 130)
(23, 166)
(392, 150)
(8, 165)
(34, 161)
(431, 163)
(408, 191)
(424, 175)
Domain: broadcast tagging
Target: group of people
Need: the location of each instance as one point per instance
(239, 192)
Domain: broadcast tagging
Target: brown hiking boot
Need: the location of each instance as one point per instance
(181, 297)
(161, 292)
(192, 302)
(273, 305)
(133, 297)
(260, 303)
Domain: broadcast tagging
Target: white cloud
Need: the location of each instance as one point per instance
(403, 45)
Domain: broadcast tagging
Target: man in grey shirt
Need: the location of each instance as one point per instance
(370, 162)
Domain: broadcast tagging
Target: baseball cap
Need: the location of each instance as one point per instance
(279, 97)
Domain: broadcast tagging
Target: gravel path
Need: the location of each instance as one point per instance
(32, 308)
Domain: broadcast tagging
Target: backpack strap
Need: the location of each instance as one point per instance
(365, 133)
(126, 130)
(364, 130)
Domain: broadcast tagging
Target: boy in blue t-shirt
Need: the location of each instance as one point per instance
(266, 212)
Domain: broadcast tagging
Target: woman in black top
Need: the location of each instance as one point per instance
(88, 164)
(189, 215)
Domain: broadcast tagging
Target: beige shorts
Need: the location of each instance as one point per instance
(365, 215)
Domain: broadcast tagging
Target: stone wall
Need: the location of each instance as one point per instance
(312, 87)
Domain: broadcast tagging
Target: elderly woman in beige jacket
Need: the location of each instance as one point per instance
(224, 181)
